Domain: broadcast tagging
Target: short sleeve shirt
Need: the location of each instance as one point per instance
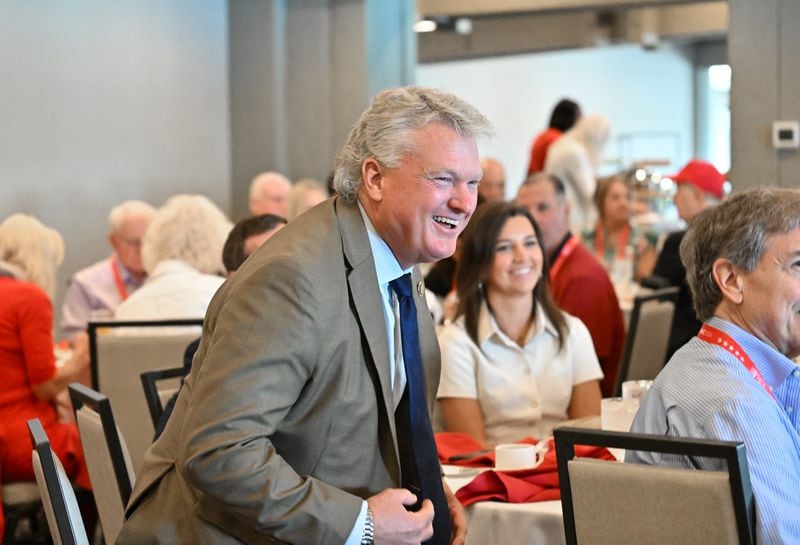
(522, 390)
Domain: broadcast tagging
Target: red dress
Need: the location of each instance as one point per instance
(26, 359)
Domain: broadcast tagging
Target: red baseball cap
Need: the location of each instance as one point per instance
(703, 175)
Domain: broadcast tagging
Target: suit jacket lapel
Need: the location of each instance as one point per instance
(363, 284)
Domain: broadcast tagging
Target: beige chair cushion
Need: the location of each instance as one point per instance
(121, 359)
(20, 492)
(652, 337)
(110, 508)
(636, 504)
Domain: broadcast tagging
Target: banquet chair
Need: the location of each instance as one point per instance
(21, 502)
(58, 497)
(106, 457)
(648, 336)
(158, 398)
(607, 502)
(120, 352)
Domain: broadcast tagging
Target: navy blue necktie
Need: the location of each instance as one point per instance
(419, 462)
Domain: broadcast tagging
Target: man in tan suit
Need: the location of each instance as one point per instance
(286, 430)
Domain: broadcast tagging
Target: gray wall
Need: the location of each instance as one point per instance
(301, 71)
(764, 52)
(107, 101)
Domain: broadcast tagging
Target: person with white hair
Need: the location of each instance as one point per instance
(96, 291)
(30, 254)
(181, 253)
(574, 158)
(305, 418)
(268, 194)
(305, 194)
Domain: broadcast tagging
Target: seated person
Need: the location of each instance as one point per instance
(579, 284)
(181, 252)
(30, 254)
(304, 195)
(513, 364)
(244, 238)
(626, 253)
(736, 381)
(95, 292)
(700, 186)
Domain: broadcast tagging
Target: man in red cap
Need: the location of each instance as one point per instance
(700, 186)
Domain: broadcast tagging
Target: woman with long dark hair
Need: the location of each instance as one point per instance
(513, 364)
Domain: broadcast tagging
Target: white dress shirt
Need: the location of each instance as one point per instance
(522, 390)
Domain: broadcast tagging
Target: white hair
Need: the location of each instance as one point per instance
(264, 180)
(299, 190)
(387, 127)
(190, 228)
(120, 213)
(31, 251)
(592, 131)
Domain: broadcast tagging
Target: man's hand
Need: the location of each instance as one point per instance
(394, 525)
(457, 518)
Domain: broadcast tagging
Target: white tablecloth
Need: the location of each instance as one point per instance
(497, 523)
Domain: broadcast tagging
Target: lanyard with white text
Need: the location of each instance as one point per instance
(566, 249)
(123, 292)
(712, 335)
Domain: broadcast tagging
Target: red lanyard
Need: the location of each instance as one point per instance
(566, 249)
(121, 289)
(599, 241)
(712, 335)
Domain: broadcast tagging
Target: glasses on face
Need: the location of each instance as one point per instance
(129, 242)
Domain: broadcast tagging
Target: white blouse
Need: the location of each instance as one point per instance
(522, 390)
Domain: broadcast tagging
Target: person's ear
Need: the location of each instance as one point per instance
(372, 179)
(730, 280)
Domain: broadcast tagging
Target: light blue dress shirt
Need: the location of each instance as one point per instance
(705, 392)
(387, 269)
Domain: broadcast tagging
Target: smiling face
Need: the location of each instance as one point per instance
(770, 304)
(420, 207)
(517, 263)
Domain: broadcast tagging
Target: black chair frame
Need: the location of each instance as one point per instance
(665, 294)
(149, 380)
(733, 453)
(109, 324)
(81, 395)
(41, 443)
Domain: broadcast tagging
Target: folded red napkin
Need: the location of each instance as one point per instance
(518, 486)
(460, 449)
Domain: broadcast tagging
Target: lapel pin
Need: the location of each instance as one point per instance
(421, 289)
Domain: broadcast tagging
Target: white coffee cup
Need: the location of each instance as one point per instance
(510, 456)
(635, 389)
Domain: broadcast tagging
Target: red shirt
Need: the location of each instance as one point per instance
(539, 149)
(583, 289)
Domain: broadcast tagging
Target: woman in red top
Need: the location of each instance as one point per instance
(564, 116)
(29, 379)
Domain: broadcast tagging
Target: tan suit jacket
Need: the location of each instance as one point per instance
(286, 421)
